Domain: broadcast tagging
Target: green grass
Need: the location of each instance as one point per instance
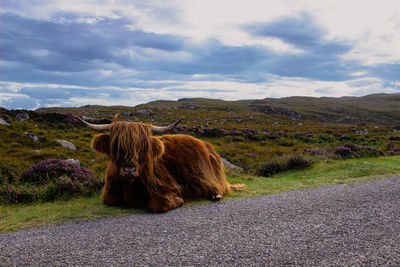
(15, 217)
(20, 216)
(320, 174)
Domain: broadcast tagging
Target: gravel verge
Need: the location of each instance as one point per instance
(342, 225)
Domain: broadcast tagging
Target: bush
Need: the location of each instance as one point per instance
(51, 169)
(351, 150)
(297, 162)
(342, 151)
(270, 167)
(49, 180)
(395, 151)
(283, 164)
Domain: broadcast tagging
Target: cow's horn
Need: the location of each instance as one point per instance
(160, 129)
(97, 127)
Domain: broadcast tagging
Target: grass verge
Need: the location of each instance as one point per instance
(15, 217)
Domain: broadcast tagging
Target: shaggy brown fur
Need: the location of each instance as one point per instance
(167, 169)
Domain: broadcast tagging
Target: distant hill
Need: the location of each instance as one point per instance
(380, 109)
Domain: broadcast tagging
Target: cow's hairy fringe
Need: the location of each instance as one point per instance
(132, 141)
(125, 137)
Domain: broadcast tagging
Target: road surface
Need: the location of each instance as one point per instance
(357, 225)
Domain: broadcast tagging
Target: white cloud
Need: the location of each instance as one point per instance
(275, 87)
(358, 73)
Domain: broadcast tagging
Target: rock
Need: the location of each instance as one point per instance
(22, 116)
(146, 112)
(231, 166)
(3, 122)
(126, 113)
(32, 136)
(74, 161)
(67, 144)
(186, 106)
(36, 151)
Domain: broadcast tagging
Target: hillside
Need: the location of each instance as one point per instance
(261, 137)
(380, 109)
(246, 132)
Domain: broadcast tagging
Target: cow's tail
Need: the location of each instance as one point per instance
(237, 187)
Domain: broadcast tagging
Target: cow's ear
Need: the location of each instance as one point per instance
(101, 143)
(157, 147)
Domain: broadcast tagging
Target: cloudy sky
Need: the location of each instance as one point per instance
(127, 52)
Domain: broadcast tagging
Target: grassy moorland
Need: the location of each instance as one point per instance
(280, 145)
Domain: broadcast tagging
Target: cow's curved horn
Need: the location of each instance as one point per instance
(161, 129)
(97, 127)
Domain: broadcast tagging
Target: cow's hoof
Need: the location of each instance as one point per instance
(179, 201)
(216, 197)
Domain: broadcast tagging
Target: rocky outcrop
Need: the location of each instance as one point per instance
(276, 111)
(22, 116)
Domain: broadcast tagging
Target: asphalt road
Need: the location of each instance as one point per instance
(342, 225)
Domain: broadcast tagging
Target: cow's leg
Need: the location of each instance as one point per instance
(216, 197)
(164, 203)
(111, 194)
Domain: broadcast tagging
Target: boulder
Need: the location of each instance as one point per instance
(126, 113)
(74, 161)
(231, 166)
(3, 122)
(32, 136)
(67, 144)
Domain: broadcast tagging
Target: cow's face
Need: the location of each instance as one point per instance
(130, 147)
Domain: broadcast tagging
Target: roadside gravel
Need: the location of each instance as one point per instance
(341, 225)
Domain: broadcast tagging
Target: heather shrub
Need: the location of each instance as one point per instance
(16, 194)
(297, 162)
(395, 151)
(274, 136)
(364, 151)
(282, 164)
(250, 134)
(271, 167)
(205, 131)
(50, 170)
(342, 151)
(49, 180)
(351, 150)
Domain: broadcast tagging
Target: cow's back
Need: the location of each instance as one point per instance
(195, 165)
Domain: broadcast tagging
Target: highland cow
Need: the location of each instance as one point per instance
(160, 172)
